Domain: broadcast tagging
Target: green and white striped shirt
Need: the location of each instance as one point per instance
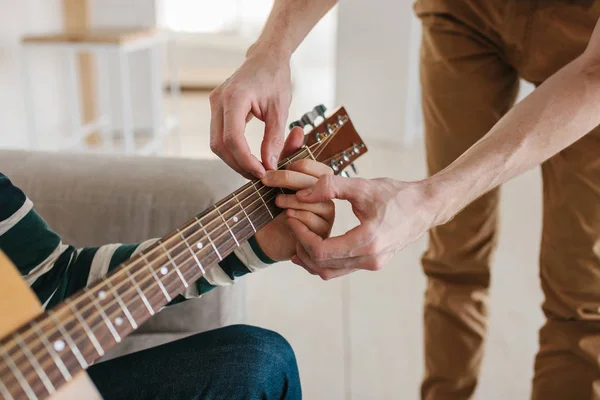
(55, 270)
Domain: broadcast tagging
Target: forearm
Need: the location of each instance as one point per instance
(555, 115)
(288, 24)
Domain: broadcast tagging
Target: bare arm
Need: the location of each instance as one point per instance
(288, 24)
(262, 88)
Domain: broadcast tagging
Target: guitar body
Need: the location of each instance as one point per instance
(19, 305)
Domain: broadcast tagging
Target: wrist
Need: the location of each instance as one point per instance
(279, 52)
(259, 252)
(438, 200)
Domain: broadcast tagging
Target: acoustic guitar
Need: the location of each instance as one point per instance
(44, 354)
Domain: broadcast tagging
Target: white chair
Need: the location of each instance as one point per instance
(107, 46)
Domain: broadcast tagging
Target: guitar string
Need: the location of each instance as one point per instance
(114, 302)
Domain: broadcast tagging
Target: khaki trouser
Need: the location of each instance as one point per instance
(473, 53)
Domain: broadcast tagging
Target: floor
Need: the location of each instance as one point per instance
(359, 337)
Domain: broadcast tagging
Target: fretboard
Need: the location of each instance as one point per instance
(45, 353)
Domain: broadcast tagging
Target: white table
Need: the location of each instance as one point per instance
(107, 46)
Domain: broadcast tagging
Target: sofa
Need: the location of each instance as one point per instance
(94, 199)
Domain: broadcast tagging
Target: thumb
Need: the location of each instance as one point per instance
(272, 144)
(294, 141)
(330, 187)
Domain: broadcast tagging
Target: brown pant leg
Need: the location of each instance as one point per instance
(567, 363)
(466, 87)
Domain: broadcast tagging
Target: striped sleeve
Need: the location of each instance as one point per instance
(55, 270)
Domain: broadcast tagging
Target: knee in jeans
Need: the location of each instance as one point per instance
(271, 346)
(271, 356)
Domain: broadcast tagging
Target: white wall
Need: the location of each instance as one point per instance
(22, 17)
(375, 50)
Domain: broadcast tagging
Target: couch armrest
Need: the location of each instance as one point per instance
(98, 199)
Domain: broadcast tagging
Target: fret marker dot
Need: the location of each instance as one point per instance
(102, 295)
(164, 270)
(118, 321)
(235, 219)
(59, 345)
(199, 245)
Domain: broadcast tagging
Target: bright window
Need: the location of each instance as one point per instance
(213, 16)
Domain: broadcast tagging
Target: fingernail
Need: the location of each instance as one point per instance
(291, 213)
(274, 162)
(259, 174)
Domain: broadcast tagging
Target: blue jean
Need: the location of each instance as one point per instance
(235, 362)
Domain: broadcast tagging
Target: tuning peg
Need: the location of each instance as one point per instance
(307, 119)
(345, 174)
(354, 168)
(296, 123)
(320, 110)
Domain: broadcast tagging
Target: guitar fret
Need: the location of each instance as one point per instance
(141, 293)
(87, 330)
(123, 306)
(106, 320)
(244, 211)
(69, 340)
(209, 239)
(263, 200)
(174, 265)
(4, 391)
(17, 373)
(309, 152)
(227, 225)
(57, 360)
(160, 285)
(36, 366)
(191, 251)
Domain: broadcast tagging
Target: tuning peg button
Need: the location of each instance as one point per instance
(345, 174)
(308, 119)
(296, 123)
(320, 109)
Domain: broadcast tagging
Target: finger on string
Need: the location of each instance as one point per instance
(273, 140)
(288, 179)
(217, 145)
(294, 141)
(310, 167)
(235, 112)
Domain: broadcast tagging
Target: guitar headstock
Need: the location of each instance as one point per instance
(332, 141)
